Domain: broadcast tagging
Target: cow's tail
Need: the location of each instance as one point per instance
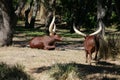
(103, 48)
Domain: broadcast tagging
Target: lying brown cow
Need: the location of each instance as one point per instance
(46, 42)
(91, 43)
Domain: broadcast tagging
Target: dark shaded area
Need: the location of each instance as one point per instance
(118, 28)
(23, 42)
(41, 69)
(73, 45)
(26, 18)
(21, 29)
(114, 44)
(104, 63)
(85, 70)
(13, 72)
(63, 45)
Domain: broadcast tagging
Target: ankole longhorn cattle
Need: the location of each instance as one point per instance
(46, 42)
(91, 42)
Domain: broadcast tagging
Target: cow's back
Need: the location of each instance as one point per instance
(89, 43)
(37, 42)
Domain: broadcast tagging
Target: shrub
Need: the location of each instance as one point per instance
(65, 72)
(114, 45)
(13, 72)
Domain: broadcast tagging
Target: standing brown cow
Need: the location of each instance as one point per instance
(91, 43)
(46, 42)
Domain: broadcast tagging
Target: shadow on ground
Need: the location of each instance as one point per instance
(15, 72)
(73, 45)
(102, 71)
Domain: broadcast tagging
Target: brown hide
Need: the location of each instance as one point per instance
(91, 44)
(45, 42)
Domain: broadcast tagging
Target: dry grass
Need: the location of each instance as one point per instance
(42, 60)
(34, 58)
(38, 63)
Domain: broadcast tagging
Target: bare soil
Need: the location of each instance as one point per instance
(65, 53)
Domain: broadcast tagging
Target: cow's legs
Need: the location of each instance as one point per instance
(90, 56)
(86, 56)
(96, 53)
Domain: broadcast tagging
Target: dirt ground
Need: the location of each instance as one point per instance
(35, 58)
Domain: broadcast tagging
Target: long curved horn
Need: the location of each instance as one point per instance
(52, 26)
(77, 31)
(54, 29)
(98, 31)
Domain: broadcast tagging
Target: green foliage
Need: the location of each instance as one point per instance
(13, 72)
(15, 2)
(114, 46)
(63, 71)
(29, 32)
(84, 12)
(40, 32)
(66, 33)
(81, 11)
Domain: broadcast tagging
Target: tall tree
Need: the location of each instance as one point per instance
(34, 13)
(42, 12)
(101, 14)
(28, 12)
(8, 21)
(19, 6)
(50, 6)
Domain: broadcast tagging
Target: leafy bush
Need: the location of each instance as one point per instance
(114, 45)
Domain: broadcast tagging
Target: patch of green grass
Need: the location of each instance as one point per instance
(29, 32)
(74, 35)
(39, 32)
(66, 33)
(15, 72)
(64, 72)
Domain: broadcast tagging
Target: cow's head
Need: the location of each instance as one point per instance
(52, 30)
(92, 34)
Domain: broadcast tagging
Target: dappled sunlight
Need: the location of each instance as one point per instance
(85, 72)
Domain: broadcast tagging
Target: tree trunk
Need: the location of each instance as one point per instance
(28, 14)
(103, 47)
(48, 21)
(34, 14)
(7, 21)
(51, 11)
(21, 4)
(42, 13)
(101, 15)
(26, 18)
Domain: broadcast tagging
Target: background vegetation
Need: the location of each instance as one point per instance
(15, 72)
(81, 12)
